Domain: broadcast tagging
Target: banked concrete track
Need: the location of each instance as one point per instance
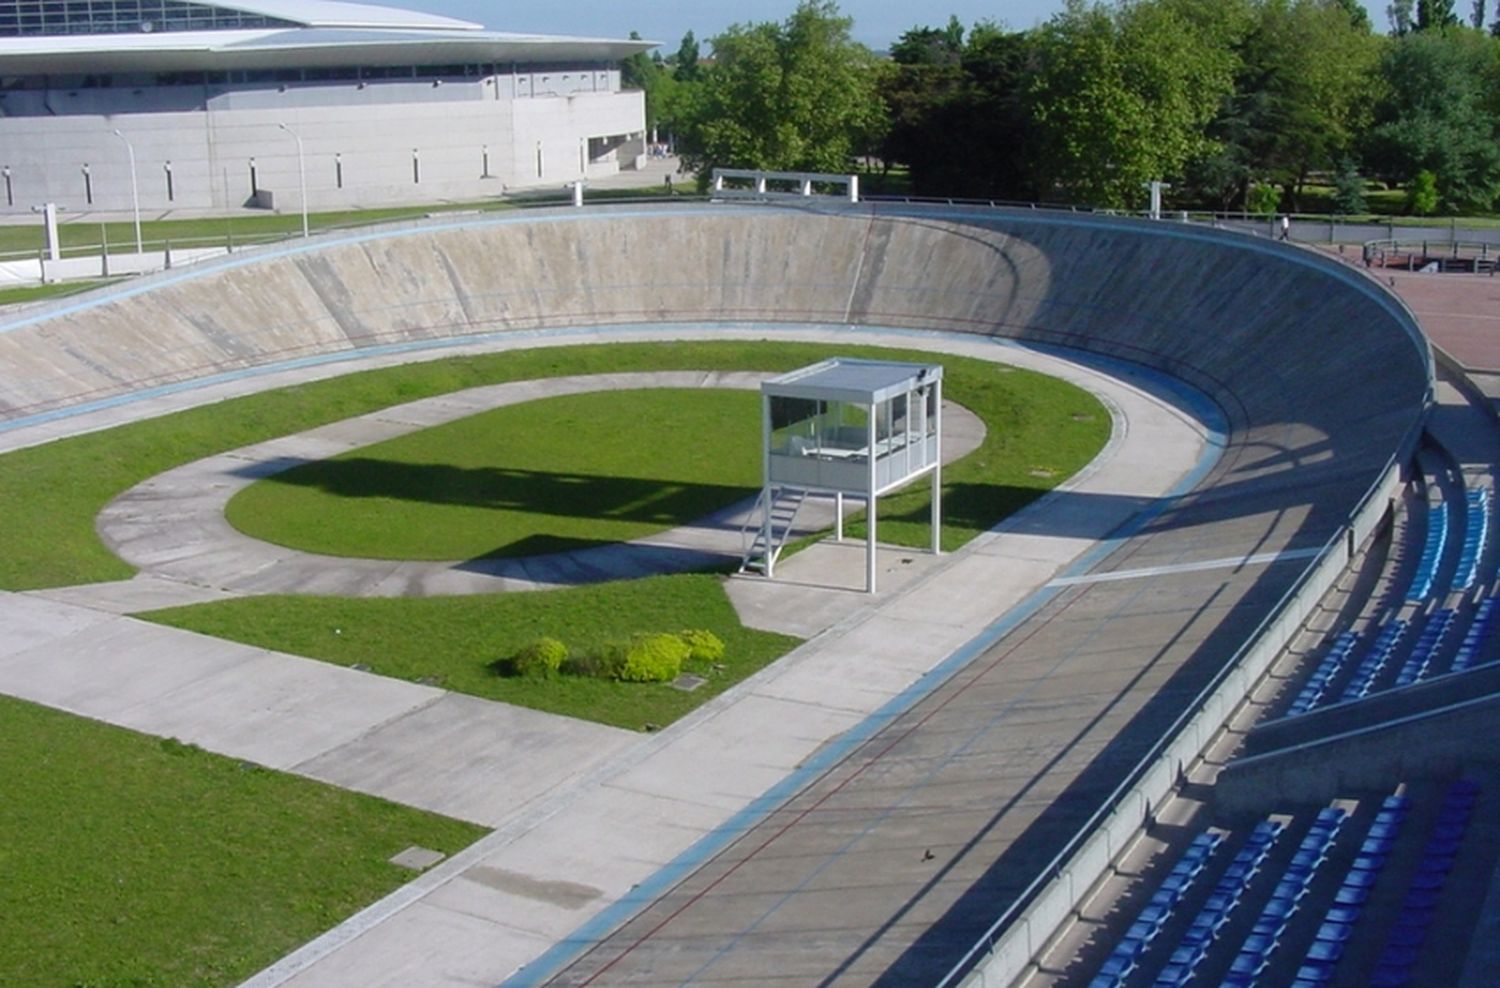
(889, 864)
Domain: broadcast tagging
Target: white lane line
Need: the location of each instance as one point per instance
(1231, 562)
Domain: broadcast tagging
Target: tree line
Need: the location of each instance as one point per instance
(1237, 104)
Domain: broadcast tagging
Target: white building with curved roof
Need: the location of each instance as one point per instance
(227, 104)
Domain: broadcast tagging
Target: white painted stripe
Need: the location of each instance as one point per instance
(1233, 562)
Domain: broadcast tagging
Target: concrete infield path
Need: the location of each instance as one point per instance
(589, 819)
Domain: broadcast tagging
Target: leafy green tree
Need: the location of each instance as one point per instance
(1301, 94)
(1123, 96)
(962, 126)
(1359, 17)
(930, 45)
(1440, 114)
(1476, 15)
(799, 95)
(685, 62)
(1436, 14)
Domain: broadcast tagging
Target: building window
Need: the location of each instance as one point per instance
(65, 17)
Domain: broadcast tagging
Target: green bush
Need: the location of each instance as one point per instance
(540, 659)
(647, 658)
(1263, 199)
(703, 646)
(1422, 194)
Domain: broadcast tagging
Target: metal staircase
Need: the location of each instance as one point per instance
(784, 503)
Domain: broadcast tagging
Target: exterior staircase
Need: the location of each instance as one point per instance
(782, 504)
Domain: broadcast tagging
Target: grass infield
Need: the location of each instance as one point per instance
(1040, 431)
(544, 476)
(135, 861)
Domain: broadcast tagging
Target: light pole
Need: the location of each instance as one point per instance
(301, 174)
(135, 191)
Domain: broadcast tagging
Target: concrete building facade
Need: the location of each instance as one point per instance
(222, 106)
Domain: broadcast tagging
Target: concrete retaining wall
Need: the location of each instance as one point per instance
(1423, 744)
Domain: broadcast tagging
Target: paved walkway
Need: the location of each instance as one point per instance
(172, 526)
(583, 814)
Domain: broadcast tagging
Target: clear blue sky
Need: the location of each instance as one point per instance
(876, 22)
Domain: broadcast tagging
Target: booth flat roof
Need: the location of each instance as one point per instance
(852, 379)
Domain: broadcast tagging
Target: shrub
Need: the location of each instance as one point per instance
(1422, 194)
(703, 646)
(647, 658)
(540, 659)
(1263, 199)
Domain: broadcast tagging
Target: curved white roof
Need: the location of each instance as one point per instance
(339, 14)
(330, 32)
(335, 13)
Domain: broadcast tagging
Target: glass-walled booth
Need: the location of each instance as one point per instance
(851, 427)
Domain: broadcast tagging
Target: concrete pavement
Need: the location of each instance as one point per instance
(575, 834)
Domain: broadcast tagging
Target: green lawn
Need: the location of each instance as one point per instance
(132, 861)
(50, 495)
(451, 641)
(37, 293)
(543, 476)
(240, 229)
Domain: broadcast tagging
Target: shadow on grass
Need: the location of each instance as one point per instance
(540, 492)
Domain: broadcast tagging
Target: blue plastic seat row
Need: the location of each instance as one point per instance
(1477, 635)
(1432, 553)
(1374, 661)
(1476, 532)
(1217, 910)
(1337, 928)
(1254, 955)
(1333, 661)
(1415, 669)
(1404, 940)
(1123, 960)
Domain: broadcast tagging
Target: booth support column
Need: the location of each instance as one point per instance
(870, 501)
(765, 492)
(937, 468)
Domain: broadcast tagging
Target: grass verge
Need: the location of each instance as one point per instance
(130, 860)
(451, 641)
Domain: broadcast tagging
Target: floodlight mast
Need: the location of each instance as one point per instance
(135, 191)
(301, 174)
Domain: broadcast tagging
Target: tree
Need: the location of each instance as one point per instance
(1400, 15)
(1349, 190)
(961, 127)
(1439, 114)
(1302, 93)
(685, 62)
(1476, 15)
(930, 45)
(1435, 14)
(1359, 17)
(794, 96)
(1123, 97)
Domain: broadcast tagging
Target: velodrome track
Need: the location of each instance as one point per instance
(891, 863)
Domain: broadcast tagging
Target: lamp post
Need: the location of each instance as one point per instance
(301, 174)
(135, 191)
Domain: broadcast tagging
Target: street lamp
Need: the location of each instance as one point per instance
(301, 174)
(135, 192)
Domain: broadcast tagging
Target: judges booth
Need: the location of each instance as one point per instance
(849, 428)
